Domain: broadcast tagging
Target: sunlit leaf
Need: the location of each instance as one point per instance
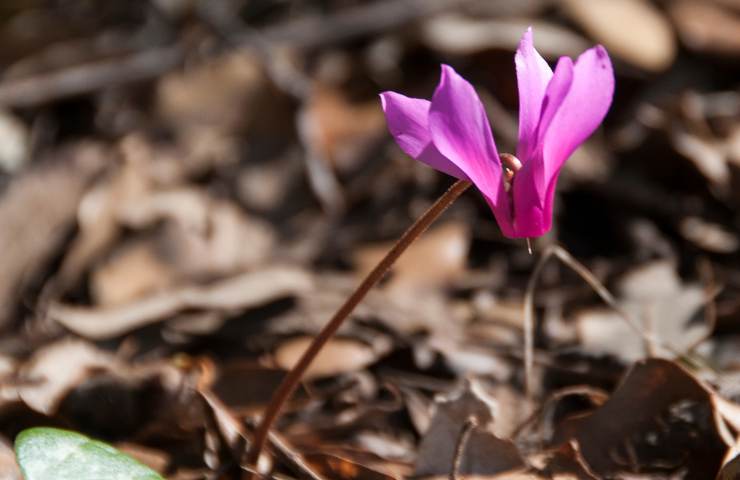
(50, 453)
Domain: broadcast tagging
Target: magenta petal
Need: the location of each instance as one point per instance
(408, 123)
(533, 75)
(461, 132)
(533, 175)
(557, 91)
(583, 109)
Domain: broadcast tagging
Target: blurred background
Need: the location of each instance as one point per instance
(190, 188)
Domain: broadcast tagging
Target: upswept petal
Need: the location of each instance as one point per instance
(407, 120)
(582, 111)
(532, 178)
(461, 132)
(555, 95)
(533, 75)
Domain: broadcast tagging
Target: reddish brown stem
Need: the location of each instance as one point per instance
(293, 378)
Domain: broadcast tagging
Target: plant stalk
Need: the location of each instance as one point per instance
(294, 376)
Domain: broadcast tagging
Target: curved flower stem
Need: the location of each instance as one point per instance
(293, 378)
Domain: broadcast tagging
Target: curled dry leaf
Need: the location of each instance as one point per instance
(632, 29)
(485, 453)
(56, 369)
(235, 293)
(659, 419)
(203, 238)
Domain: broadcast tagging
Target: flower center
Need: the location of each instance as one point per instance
(511, 166)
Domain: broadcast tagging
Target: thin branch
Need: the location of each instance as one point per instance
(86, 78)
(304, 33)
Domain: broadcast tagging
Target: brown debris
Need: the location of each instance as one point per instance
(190, 190)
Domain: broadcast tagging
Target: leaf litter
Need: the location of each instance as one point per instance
(189, 191)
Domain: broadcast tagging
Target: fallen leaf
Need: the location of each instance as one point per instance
(712, 237)
(37, 210)
(339, 355)
(707, 26)
(654, 294)
(434, 260)
(485, 453)
(15, 147)
(632, 29)
(134, 271)
(339, 130)
(460, 35)
(235, 293)
(189, 100)
(660, 418)
(56, 369)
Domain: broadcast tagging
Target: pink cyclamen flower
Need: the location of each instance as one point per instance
(558, 111)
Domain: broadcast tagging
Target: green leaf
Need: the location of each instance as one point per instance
(54, 454)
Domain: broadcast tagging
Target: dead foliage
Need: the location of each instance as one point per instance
(189, 189)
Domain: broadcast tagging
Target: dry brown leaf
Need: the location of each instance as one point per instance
(339, 355)
(459, 35)
(706, 26)
(37, 211)
(632, 29)
(97, 214)
(654, 294)
(203, 239)
(712, 237)
(232, 242)
(189, 99)
(56, 369)
(9, 469)
(565, 462)
(15, 147)
(340, 131)
(434, 260)
(134, 271)
(485, 453)
(707, 154)
(657, 403)
(425, 310)
(235, 293)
